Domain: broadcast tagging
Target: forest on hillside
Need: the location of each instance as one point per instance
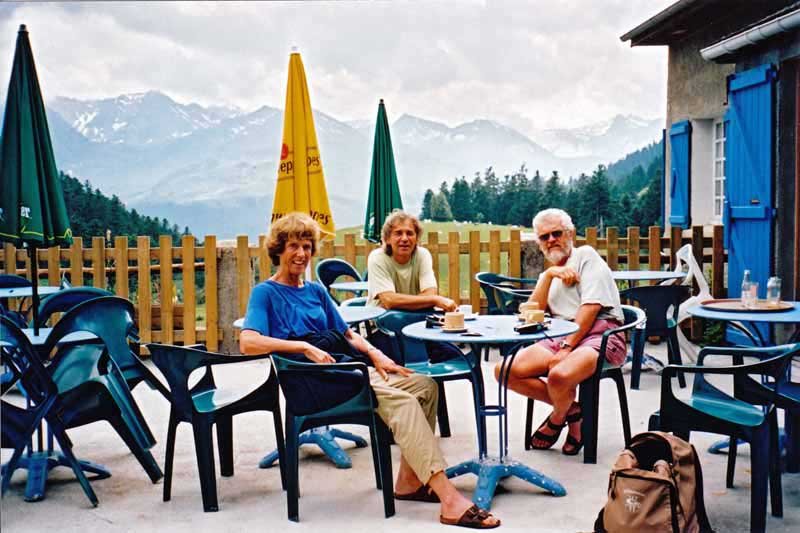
(630, 199)
(93, 214)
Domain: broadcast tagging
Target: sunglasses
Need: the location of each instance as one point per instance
(555, 234)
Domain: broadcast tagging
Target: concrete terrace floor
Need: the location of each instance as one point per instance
(346, 500)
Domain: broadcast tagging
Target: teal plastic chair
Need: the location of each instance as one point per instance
(413, 353)
(329, 270)
(90, 382)
(355, 407)
(110, 319)
(488, 282)
(66, 299)
(589, 391)
(204, 405)
(709, 409)
(18, 425)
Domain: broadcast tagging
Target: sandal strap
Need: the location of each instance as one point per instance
(575, 416)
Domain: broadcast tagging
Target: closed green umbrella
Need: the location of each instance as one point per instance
(32, 210)
(384, 193)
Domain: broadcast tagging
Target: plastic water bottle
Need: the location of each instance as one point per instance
(774, 291)
(746, 285)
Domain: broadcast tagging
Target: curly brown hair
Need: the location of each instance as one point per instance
(292, 226)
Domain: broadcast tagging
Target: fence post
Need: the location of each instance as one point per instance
(433, 248)
(227, 297)
(675, 241)
(454, 267)
(718, 263)
(211, 287)
(165, 270)
(654, 248)
(121, 265)
(76, 262)
(54, 266)
(244, 274)
(350, 248)
(591, 237)
(189, 291)
(612, 247)
(514, 254)
(697, 251)
(98, 262)
(634, 246)
(494, 251)
(474, 268)
(144, 291)
(10, 256)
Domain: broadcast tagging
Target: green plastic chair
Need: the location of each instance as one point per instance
(66, 299)
(17, 425)
(90, 382)
(355, 407)
(205, 404)
(413, 354)
(490, 281)
(709, 409)
(589, 391)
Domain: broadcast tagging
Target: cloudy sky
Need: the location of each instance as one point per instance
(529, 64)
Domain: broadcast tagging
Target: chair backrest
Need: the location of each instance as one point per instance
(487, 281)
(177, 363)
(410, 350)
(329, 270)
(660, 303)
(9, 281)
(110, 318)
(22, 359)
(493, 286)
(66, 299)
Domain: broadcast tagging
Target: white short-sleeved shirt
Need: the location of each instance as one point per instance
(595, 287)
(387, 275)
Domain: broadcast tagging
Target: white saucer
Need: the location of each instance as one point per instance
(473, 316)
(457, 330)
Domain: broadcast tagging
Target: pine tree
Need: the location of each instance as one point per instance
(440, 208)
(426, 205)
(461, 201)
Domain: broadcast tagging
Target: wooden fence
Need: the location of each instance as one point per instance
(172, 309)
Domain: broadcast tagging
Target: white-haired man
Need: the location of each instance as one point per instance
(578, 287)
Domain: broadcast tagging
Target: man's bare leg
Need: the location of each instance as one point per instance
(563, 381)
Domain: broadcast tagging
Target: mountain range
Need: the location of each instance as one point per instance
(213, 168)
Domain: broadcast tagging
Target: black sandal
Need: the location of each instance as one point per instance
(548, 439)
(576, 444)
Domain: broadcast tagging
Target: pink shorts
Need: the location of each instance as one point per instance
(616, 349)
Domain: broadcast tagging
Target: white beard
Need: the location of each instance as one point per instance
(557, 256)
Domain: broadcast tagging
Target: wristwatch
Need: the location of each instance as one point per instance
(565, 344)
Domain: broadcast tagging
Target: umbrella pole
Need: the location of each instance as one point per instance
(34, 287)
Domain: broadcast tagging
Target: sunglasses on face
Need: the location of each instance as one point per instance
(555, 234)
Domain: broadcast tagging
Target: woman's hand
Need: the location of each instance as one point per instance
(567, 275)
(385, 366)
(316, 355)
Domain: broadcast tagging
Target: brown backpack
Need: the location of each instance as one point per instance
(656, 484)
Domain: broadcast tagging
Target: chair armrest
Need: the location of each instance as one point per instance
(222, 359)
(738, 354)
(287, 365)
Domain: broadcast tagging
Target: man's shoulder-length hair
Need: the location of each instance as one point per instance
(397, 217)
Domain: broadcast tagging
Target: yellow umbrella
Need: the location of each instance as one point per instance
(301, 183)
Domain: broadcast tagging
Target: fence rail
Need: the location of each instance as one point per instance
(182, 301)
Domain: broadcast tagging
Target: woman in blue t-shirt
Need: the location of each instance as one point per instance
(285, 310)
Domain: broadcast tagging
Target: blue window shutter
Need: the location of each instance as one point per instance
(680, 138)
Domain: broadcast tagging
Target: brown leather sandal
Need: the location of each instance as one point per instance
(423, 494)
(473, 518)
(548, 440)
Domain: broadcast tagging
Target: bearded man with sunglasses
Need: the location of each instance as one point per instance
(578, 287)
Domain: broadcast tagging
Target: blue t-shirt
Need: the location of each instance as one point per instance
(282, 311)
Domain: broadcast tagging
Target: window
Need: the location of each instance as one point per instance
(718, 172)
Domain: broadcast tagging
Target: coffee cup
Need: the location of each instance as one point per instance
(527, 306)
(466, 309)
(534, 315)
(453, 320)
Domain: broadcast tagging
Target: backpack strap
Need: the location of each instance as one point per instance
(700, 505)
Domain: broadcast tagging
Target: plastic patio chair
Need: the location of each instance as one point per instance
(91, 384)
(11, 281)
(589, 391)
(488, 281)
(305, 411)
(709, 409)
(414, 354)
(110, 318)
(18, 424)
(661, 304)
(66, 299)
(204, 404)
(329, 270)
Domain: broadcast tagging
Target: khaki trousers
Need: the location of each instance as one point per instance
(408, 406)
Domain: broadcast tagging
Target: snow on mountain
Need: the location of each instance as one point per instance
(610, 139)
(213, 168)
